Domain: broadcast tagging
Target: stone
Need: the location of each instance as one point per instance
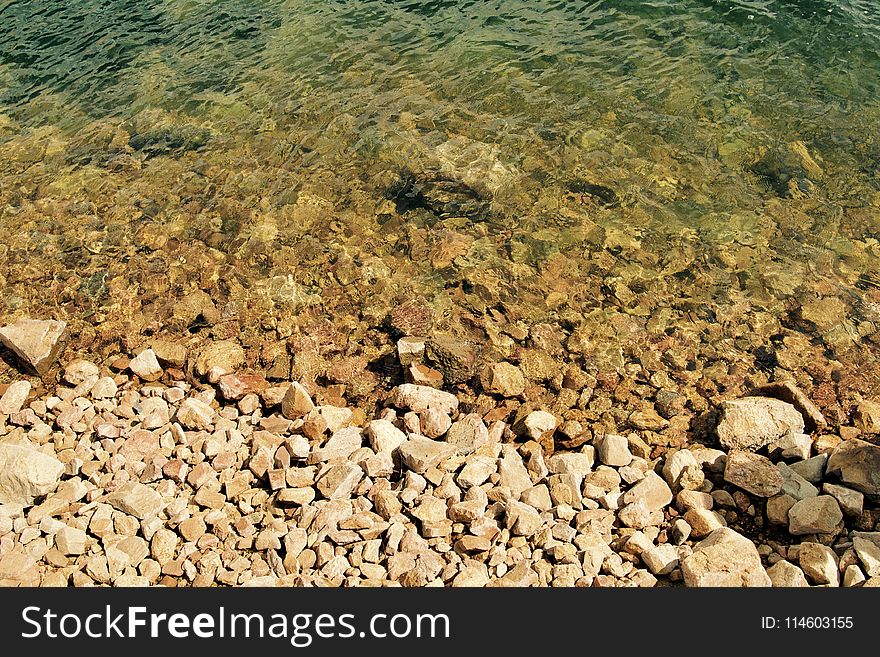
(476, 471)
(692, 499)
(778, 507)
(814, 515)
(811, 469)
(784, 574)
(853, 576)
(340, 480)
(647, 420)
(192, 528)
(35, 342)
(519, 576)
(420, 454)
(787, 391)
(512, 472)
(71, 541)
(753, 473)
(434, 423)
(680, 532)
(410, 350)
(146, 366)
(223, 356)
(79, 371)
(335, 417)
(538, 423)
(136, 499)
(384, 436)
(26, 473)
(169, 353)
(469, 433)
(471, 577)
(637, 515)
(614, 451)
(867, 416)
(296, 496)
(703, 522)
(14, 397)
(857, 464)
(522, 520)
(819, 563)
(795, 485)
(675, 464)
(420, 398)
(537, 497)
(342, 444)
(195, 414)
(453, 357)
(662, 559)
(503, 379)
(576, 463)
(104, 388)
(296, 402)
(651, 490)
(851, 501)
(792, 446)
(754, 422)
(869, 554)
(724, 558)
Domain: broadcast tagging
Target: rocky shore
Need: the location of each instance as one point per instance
(169, 468)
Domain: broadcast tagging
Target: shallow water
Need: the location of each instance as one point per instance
(693, 178)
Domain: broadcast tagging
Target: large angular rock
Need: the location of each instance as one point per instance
(341, 445)
(751, 423)
(226, 355)
(819, 563)
(468, 434)
(503, 379)
(26, 473)
(814, 515)
(420, 454)
(384, 436)
(867, 416)
(420, 398)
(136, 499)
(788, 392)
(652, 490)
(795, 485)
(296, 402)
(340, 480)
(36, 342)
(753, 473)
(857, 463)
(195, 414)
(724, 558)
(785, 574)
(146, 365)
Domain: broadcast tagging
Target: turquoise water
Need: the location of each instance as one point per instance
(629, 170)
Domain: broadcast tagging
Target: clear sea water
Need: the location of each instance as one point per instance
(631, 169)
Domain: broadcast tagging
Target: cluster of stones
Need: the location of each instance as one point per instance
(119, 479)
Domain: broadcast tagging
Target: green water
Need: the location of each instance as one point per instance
(632, 172)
